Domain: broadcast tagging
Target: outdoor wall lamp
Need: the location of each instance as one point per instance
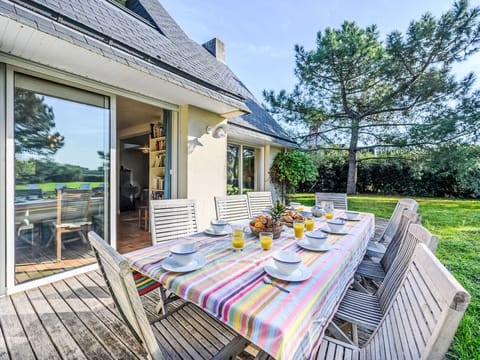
(218, 132)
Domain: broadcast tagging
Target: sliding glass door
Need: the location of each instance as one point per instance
(240, 169)
(61, 171)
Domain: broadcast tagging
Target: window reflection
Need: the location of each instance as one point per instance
(248, 170)
(61, 175)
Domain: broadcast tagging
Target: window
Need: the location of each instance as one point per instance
(62, 142)
(240, 169)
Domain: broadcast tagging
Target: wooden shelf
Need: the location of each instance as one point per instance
(157, 173)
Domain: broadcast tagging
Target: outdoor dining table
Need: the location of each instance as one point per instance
(230, 285)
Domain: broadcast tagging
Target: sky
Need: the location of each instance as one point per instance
(260, 35)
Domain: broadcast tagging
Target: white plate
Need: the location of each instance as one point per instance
(210, 231)
(341, 232)
(347, 219)
(301, 274)
(171, 265)
(306, 245)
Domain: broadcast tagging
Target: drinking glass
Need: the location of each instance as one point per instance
(309, 224)
(298, 228)
(238, 240)
(266, 239)
(329, 209)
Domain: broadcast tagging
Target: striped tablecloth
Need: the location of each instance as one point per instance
(230, 286)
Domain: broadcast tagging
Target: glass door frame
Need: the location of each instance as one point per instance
(9, 206)
(3, 127)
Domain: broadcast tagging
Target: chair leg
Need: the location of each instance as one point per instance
(162, 304)
(355, 334)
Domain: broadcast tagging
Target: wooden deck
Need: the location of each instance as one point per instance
(76, 319)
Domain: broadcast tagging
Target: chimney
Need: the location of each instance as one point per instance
(216, 47)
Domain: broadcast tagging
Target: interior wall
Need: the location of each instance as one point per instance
(137, 162)
(207, 170)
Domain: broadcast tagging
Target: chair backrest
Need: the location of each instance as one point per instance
(28, 193)
(232, 208)
(72, 205)
(407, 217)
(118, 277)
(171, 219)
(339, 199)
(422, 320)
(258, 201)
(415, 234)
(392, 225)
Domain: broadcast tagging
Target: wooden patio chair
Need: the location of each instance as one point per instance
(367, 310)
(72, 216)
(171, 219)
(258, 201)
(376, 270)
(199, 339)
(376, 247)
(420, 321)
(339, 199)
(232, 208)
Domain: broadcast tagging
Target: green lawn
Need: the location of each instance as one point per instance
(46, 187)
(457, 223)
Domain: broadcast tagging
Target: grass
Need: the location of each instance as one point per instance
(48, 187)
(457, 223)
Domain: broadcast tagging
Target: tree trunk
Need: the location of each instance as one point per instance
(352, 160)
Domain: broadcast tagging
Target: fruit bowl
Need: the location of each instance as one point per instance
(275, 229)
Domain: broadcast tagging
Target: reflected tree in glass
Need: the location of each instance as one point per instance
(35, 125)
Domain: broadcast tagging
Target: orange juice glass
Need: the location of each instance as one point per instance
(238, 242)
(298, 228)
(266, 239)
(309, 224)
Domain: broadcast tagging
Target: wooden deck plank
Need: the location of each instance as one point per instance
(82, 335)
(15, 339)
(100, 320)
(35, 332)
(65, 344)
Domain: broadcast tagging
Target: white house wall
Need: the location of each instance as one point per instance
(206, 163)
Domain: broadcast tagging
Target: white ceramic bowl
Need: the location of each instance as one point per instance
(183, 253)
(351, 215)
(335, 225)
(316, 238)
(218, 226)
(286, 261)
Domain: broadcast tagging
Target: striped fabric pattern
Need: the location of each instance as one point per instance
(143, 283)
(230, 286)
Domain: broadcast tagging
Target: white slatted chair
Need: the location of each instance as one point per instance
(339, 199)
(374, 270)
(232, 208)
(171, 219)
(367, 310)
(376, 247)
(192, 335)
(419, 323)
(259, 201)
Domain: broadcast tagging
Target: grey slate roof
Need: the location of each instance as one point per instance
(145, 37)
